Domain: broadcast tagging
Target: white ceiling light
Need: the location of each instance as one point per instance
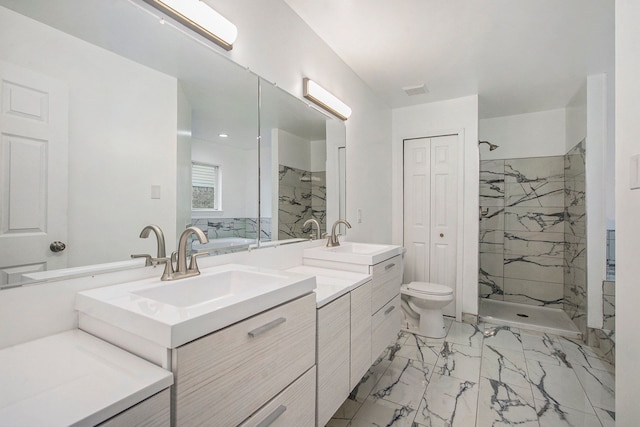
(316, 93)
(199, 17)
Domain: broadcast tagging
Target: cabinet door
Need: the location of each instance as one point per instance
(152, 412)
(385, 325)
(222, 378)
(360, 333)
(333, 357)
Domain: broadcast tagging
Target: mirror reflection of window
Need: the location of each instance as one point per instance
(205, 186)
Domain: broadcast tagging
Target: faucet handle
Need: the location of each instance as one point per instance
(147, 257)
(193, 264)
(167, 274)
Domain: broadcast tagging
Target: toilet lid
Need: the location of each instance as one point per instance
(430, 288)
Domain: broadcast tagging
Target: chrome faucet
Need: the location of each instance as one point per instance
(313, 221)
(181, 270)
(161, 252)
(332, 239)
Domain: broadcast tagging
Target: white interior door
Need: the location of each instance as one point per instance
(430, 211)
(33, 172)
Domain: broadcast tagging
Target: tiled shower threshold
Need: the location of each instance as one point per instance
(541, 319)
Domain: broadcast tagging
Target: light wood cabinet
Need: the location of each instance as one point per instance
(360, 333)
(289, 408)
(224, 377)
(385, 324)
(151, 412)
(386, 281)
(332, 362)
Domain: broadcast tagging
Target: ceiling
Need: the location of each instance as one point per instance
(518, 56)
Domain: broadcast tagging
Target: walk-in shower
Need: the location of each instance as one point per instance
(532, 243)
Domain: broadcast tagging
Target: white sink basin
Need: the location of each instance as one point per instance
(175, 312)
(354, 253)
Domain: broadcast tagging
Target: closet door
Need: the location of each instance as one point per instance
(430, 211)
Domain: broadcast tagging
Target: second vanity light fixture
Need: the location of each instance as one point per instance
(198, 16)
(325, 99)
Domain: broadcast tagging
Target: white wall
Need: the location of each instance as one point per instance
(275, 43)
(537, 134)
(318, 151)
(627, 212)
(238, 176)
(441, 118)
(293, 151)
(576, 117)
(183, 161)
(122, 139)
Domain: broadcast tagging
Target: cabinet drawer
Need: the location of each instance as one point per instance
(360, 333)
(152, 412)
(292, 407)
(224, 377)
(385, 325)
(387, 278)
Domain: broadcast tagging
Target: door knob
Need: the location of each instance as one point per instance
(57, 246)
(441, 234)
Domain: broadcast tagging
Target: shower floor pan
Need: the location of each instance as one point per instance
(541, 319)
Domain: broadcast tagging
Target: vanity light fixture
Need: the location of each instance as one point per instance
(198, 16)
(319, 95)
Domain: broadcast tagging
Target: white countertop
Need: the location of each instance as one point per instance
(140, 308)
(331, 284)
(72, 378)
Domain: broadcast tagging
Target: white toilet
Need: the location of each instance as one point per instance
(422, 305)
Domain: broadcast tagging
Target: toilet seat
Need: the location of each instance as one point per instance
(427, 288)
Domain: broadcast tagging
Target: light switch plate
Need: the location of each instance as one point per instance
(634, 172)
(155, 191)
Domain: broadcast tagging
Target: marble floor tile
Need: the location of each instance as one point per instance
(501, 404)
(580, 354)
(404, 382)
(419, 348)
(550, 416)
(502, 337)
(459, 361)
(599, 385)
(545, 348)
(448, 402)
(465, 334)
(504, 365)
(378, 412)
(557, 386)
(607, 417)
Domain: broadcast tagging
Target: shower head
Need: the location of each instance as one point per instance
(491, 146)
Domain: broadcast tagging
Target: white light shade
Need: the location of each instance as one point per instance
(316, 93)
(198, 16)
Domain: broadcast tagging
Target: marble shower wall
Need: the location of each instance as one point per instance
(218, 228)
(575, 259)
(301, 195)
(522, 230)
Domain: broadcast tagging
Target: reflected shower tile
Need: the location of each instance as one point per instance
(490, 286)
(492, 194)
(534, 169)
(492, 264)
(491, 171)
(448, 402)
(501, 404)
(492, 218)
(491, 241)
(534, 219)
(535, 194)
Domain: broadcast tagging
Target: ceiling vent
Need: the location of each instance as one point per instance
(415, 90)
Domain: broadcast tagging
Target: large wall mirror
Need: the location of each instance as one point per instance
(111, 121)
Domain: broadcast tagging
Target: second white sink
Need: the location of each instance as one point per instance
(354, 253)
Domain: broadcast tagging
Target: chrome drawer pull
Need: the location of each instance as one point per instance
(274, 416)
(265, 328)
(393, 264)
(389, 310)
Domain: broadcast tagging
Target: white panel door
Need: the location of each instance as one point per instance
(33, 172)
(430, 211)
